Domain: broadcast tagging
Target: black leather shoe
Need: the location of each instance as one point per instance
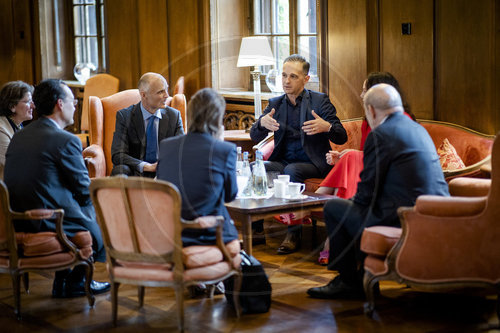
(290, 244)
(77, 289)
(337, 289)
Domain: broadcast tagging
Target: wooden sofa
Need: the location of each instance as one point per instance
(474, 148)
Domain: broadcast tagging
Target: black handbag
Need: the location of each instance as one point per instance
(255, 292)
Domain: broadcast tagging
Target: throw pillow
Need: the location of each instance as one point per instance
(448, 157)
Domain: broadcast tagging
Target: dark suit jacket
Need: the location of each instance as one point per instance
(204, 171)
(315, 146)
(400, 163)
(45, 169)
(129, 139)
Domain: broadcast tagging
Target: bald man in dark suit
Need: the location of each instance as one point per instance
(400, 163)
(132, 152)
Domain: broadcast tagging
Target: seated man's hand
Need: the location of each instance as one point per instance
(332, 157)
(315, 126)
(269, 122)
(148, 167)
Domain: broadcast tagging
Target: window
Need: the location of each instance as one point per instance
(290, 26)
(89, 33)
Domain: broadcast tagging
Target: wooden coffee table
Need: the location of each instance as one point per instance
(247, 211)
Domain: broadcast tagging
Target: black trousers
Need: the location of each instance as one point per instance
(345, 222)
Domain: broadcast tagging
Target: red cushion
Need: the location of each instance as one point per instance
(448, 157)
(40, 244)
(46, 243)
(379, 240)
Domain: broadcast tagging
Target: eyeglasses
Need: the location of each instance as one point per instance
(74, 101)
(29, 101)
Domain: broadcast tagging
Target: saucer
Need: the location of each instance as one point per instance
(297, 198)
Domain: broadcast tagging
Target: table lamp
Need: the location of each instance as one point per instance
(255, 51)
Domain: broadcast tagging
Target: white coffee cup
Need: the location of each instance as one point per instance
(296, 189)
(284, 178)
(280, 188)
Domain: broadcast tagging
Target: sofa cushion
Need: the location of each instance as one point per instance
(205, 255)
(448, 157)
(379, 240)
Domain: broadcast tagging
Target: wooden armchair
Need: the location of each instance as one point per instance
(100, 85)
(21, 252)
(102, 116)
(141, 224)
(444, 243)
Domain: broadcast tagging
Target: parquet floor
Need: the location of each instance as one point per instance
(398, 309)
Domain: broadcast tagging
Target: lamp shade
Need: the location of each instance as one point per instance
(255, 51)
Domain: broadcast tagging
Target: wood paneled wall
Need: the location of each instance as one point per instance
(189, 43)
(347, 53)
(409, 57)
(16, 46)
(467, 62)
(449, 67)
(164, 36)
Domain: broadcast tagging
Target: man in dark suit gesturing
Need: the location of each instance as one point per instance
(45, 169)
(140, 127)
(303, 122)
(400, 163)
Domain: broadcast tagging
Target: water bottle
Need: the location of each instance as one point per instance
(259, 176)
(246, 172)
(239, 161)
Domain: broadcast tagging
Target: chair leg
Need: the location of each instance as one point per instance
(141, 292)
(211, 290)
(236, 293)
(498, 307)
(314, 235)
(16, 281)
(369, 282)
(89, 274)
(179, 296)
(114, 301)
(26, 282)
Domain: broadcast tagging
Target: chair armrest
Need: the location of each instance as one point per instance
(439, 206)
(486, 169)
(266, 146)
(95, 161)
(473, 170)
(469, 187)
(49, 214)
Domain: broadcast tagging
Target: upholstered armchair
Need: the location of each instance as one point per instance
(472, 147)
(102, 116)
(141, 224)
(100, 85)
(21, 252)
(444, 242)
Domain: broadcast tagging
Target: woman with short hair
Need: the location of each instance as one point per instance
(16, 106)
